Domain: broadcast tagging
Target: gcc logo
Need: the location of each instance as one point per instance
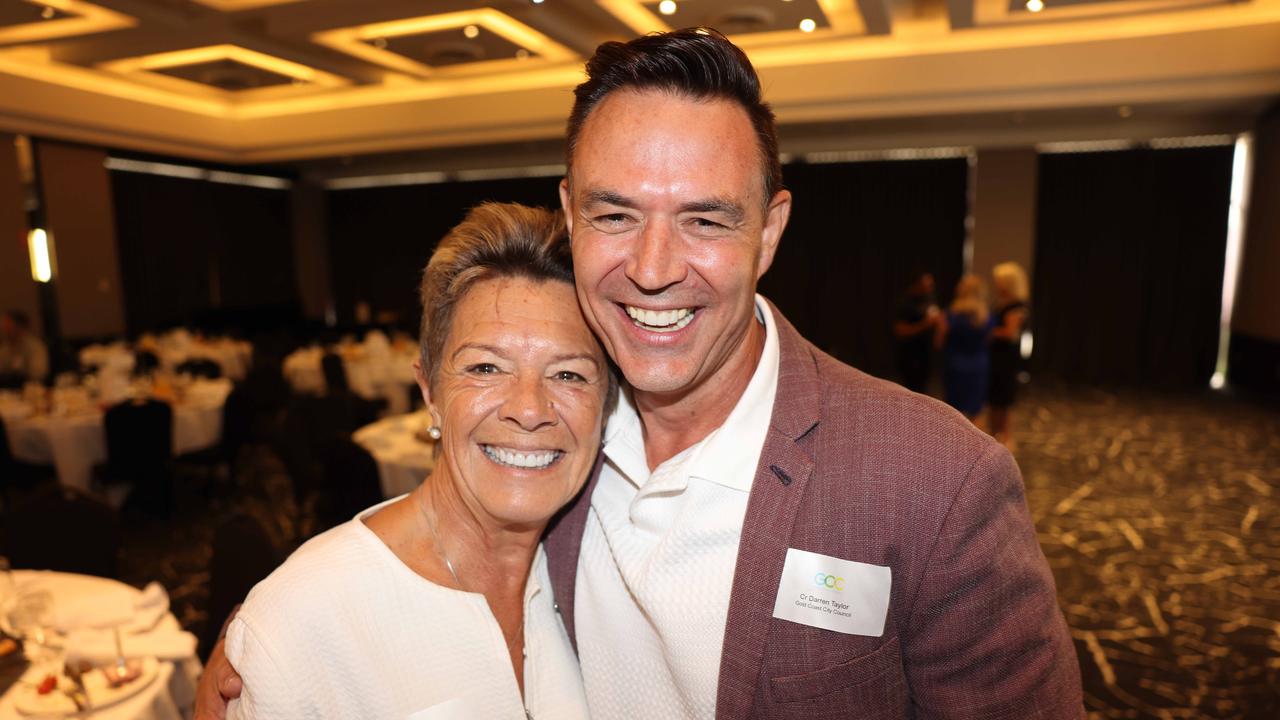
(829, 581)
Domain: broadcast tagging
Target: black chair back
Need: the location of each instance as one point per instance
(139, 436)
(145, 361)
(243, 554)
(350, 482)
(200, 367)
(335, 373)
(60, 528)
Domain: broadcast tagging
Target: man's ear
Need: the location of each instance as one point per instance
(425, 388)
(775, 221)
(565, 202)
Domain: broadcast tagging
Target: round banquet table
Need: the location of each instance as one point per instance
(403, 459)
(171, 696)
(74, 443)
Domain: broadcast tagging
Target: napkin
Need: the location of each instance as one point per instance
(112, 608)
(98, 647)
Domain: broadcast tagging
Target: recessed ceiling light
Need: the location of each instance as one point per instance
(807, 25)
(471, 31)
(47, 13)
(667, 7)
(537, 2)
(522, 54)
(380, 43)
(1035, 5)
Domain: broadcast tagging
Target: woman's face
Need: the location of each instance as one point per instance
(519, 396)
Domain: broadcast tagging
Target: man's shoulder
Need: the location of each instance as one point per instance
(872, 421)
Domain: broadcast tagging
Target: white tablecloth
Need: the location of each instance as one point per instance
(232, 356)
(403, 459)
(75, 443)
(171, 696)
(372, 372)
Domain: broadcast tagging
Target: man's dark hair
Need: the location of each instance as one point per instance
(698, 63)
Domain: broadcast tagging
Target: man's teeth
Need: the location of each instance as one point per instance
(535, 460)
(660, 320)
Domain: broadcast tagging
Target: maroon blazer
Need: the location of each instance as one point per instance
(861, 469)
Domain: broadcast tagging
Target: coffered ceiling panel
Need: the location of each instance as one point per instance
(261, 80)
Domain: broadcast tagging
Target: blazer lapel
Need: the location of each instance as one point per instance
(563, 545)
(786, 464)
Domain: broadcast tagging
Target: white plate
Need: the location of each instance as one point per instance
(101, 695)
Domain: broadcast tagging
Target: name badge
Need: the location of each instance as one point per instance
(826, 592)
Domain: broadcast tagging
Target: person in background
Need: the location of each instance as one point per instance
(1009, 283)
(22, 355)
(963, 336)
(917, 320)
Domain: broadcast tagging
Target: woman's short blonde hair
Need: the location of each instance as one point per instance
(494, 240)
(971, 299)
(1012, 278)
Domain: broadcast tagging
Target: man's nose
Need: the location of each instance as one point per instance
(656, 262)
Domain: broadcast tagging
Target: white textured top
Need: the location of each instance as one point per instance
(344, 629)
(658, 557)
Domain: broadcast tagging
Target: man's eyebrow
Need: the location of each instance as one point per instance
(716, 205)
(607, 197)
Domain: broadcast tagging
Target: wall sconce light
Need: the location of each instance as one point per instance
(40, 247)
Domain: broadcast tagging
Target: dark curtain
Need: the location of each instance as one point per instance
(381, 238)
(1129, 259)
(857, 232)
(192, 248)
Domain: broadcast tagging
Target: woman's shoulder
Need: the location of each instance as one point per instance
(318, 575)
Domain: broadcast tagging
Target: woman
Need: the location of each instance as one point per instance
(962, 336)
(1009, 281)
(438, 604)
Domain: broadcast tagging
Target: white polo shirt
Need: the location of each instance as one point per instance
(658, 557)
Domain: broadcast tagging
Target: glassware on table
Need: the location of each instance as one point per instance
(30, 616)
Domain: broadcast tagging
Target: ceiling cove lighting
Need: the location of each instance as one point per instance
(40, 248)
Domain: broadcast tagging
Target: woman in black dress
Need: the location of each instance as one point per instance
(1009, 281)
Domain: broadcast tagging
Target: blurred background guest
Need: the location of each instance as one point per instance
(914, 328)
(23, 356)
(963, 335)
(1009, 285)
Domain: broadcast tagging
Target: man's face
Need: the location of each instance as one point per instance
(670, 232)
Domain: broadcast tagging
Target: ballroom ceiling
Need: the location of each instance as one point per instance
(254, 81)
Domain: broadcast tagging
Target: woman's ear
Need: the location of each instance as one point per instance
(425, 389)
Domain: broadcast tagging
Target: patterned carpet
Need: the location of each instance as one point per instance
(1157, 514)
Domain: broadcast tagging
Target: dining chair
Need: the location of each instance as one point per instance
(201, 368)
(243, 554)
(140, 451)
(60, 528)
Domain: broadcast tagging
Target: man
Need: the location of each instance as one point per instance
(23, 356)
(771, 534)
(914, 328)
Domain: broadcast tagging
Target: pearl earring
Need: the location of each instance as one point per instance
(434, 432)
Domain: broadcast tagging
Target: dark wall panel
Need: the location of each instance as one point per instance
(189, 248)
(380, 238)
(1129, 260)
(857, 232)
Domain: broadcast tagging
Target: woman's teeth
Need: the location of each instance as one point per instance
(660, 320)
(535, 460)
